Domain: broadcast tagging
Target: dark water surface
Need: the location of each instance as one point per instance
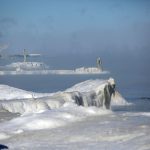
(45, 83)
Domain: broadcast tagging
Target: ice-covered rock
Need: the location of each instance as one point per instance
(94, 92)
(89, 93)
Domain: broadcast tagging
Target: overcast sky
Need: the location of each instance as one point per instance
(75, 26)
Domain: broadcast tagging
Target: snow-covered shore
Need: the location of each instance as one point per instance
(62, 120)
(50, 110)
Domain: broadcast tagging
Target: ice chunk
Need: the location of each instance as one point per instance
(117, 99)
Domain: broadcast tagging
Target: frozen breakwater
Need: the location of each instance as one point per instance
(89, 93)
(59, 72)
(29, 68)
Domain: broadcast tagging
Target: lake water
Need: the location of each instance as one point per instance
(130, 86)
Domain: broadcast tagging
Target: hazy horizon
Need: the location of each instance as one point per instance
(117, 31)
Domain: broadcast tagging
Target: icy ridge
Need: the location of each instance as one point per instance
(89, 93)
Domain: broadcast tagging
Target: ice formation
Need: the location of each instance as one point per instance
(89, 93)
(38, 70)
(118, 99)
(41, 68)
(11, 93)
(20, 66)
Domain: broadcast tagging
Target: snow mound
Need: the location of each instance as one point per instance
(11, 93)
(8, 93)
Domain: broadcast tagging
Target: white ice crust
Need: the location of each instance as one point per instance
(41, 68)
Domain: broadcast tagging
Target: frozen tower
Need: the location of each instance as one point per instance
(99, 63)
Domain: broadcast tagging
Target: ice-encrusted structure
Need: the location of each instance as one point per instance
(19, 66)
(39, 69)
(94, 93)
(89, 93)
(87, 70)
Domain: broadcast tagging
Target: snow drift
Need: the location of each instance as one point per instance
(12, 93)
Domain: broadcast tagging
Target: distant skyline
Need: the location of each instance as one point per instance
(75, 26)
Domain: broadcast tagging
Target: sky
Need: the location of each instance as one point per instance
(111, 28)
(75, 25)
